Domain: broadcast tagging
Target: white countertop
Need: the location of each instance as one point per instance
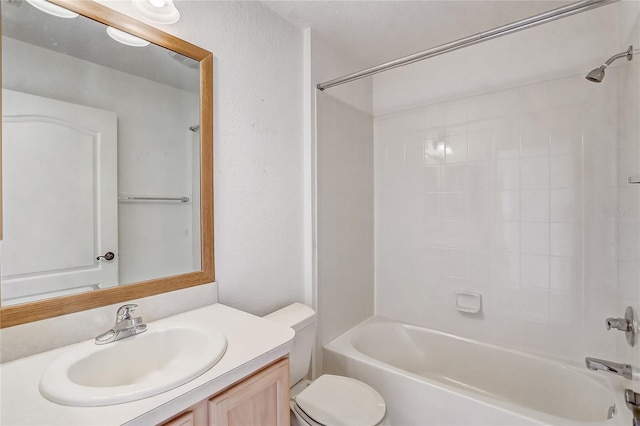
(252, 342)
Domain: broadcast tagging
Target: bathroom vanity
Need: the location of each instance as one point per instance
(248, 385)
(261, 399)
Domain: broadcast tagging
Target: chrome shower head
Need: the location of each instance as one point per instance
(597, 75)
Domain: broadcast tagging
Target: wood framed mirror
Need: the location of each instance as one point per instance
(199, 232)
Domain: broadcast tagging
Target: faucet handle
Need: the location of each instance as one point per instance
(628, 324)
(124, 312)
(621, 324)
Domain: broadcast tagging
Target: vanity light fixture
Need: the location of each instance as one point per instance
(52, 9)
(157, 11)
(126, 38)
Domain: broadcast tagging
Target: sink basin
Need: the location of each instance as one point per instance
(166, 356)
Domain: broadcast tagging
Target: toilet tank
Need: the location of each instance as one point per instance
(302, 319)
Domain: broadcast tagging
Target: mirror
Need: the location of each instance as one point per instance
(107, 169)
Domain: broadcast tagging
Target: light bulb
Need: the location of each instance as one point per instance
(157, 11)
(157, 3)
(126, 38)
(52, 9)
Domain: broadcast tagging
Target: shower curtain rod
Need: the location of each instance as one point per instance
(542, 18)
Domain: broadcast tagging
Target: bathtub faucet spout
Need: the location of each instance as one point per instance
(633, 403)
(624, 370)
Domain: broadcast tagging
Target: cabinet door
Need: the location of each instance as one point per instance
(195, 416)
(260, 400)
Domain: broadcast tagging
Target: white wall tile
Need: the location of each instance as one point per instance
(562, 171)
(565, 239)
(434, 150)
(535, 205)
(433, 178)
(506, 236)
(480, 145)
(534, 305)
(628, 242)
(534, 134)
(565, 274)
(455, 206)
(456, 263)
(506, 206)
(550, 228)
(534, 271)
(565, 205)
(456, 149)
(565, 309)
(534, 238)
(628, 165)
(506, 174)
(506, 141)
(456, 177)
(534, 173)
(479, 175)
(506, 269)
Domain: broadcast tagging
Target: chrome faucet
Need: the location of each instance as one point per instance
(125, 326)
(624, 370)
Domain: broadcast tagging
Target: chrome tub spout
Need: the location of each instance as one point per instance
(624, 370)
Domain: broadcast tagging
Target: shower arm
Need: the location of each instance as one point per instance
(628, 54)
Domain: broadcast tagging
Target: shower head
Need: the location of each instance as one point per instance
(597, 75)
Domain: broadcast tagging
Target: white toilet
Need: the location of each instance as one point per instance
(328, 400)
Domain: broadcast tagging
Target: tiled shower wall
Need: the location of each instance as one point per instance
(520, 195)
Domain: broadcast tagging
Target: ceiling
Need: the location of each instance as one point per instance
(374, 32)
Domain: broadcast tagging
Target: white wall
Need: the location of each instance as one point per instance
(258, 148)
(565, 47)
(509, 192)
(340, 146)
(322, 62)
(258, 163)
(344, 217)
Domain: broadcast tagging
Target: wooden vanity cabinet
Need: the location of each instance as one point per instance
(261, 399)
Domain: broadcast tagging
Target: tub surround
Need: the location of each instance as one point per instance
(252, 344)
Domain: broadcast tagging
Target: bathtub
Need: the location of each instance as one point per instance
(432, 378)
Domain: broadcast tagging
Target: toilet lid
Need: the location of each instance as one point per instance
(338, 400)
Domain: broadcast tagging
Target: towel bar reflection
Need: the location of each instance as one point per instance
(131, 198)
(634, 179)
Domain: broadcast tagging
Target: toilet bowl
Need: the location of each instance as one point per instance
(328, 400)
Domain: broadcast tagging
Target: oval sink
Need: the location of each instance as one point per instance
(164, 357)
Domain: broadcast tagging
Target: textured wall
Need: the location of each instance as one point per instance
(258, 166)
(258, 141)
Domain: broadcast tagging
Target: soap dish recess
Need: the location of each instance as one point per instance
(468, 302)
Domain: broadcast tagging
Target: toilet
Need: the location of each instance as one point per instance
(328, 400)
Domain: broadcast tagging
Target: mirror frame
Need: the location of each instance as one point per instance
(48, 308)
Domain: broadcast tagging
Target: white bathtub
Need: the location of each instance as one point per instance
(431, 378)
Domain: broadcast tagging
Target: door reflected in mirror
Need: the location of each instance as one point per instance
(101, 154)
